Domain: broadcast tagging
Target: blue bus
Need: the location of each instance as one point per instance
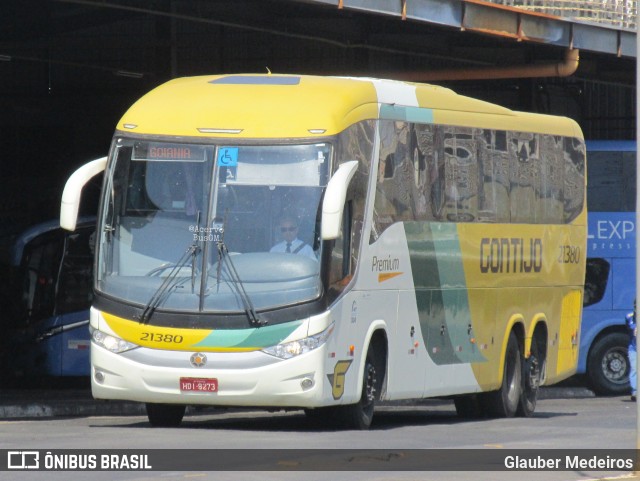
(610, 277)
(46, 274)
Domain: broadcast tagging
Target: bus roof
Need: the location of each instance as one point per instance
(301, 106)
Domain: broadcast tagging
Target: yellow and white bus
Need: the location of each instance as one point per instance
(444, 242)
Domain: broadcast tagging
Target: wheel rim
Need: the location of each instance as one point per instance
(369, 391)
(615, 366)
(513, 373)
(533, 373)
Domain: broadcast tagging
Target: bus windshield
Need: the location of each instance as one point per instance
(201, 228)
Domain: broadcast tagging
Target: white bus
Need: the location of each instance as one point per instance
(443, 241)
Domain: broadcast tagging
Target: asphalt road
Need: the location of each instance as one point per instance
(402, 431)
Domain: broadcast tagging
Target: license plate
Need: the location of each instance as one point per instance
(198, 384)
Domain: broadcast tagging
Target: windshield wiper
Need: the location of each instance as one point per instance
(169, 283)
(237, 285)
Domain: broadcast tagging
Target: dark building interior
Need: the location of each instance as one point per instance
(69, 69)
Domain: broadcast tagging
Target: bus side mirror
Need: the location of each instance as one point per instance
(73, 189)
(334, 198)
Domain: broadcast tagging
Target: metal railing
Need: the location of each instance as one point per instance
(613, 13)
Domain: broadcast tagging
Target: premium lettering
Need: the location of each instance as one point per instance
(385, 265)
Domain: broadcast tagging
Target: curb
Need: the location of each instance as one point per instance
(72, 408)
(571, 392)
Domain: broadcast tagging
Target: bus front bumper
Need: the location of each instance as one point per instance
(241, 379)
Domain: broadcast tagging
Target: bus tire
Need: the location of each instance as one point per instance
(504, 402)
(360, 415)
(608, 365)
(165, 415)
(531, 377)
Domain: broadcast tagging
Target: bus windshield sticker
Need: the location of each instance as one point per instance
(228, 164)
(228, 157)
(163, 152)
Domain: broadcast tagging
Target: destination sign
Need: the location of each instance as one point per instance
(159, 152)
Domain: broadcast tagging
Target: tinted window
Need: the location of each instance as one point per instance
(460, 174)
(40, 264)
(75, 291)
(596, 279)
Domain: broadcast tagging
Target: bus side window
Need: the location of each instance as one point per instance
(355, 143)
(393, 201)
(74, 284)
(522, 176)
(340, 273)
(461, 174)
(549, 180)
(596, 278)
(574, 184)
(345, 251)
(493, 193)
(40, 269)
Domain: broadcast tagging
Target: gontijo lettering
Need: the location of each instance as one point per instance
(510, 255)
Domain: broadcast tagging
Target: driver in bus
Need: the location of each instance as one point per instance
(290, 243)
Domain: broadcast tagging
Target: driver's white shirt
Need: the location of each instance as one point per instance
(295, 243)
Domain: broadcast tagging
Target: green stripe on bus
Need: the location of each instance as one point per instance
(454, 293)
(248, 338)
(409, 114)
(441, 296)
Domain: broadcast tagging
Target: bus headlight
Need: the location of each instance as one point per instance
(287, 350)
(111, 343)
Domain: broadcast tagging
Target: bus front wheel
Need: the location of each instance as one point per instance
(165, 415)
(360, 415)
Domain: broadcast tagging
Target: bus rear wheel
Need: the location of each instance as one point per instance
(531, 376)
(504, 402)
(165, 415)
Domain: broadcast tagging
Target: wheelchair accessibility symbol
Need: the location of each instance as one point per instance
(228, 157)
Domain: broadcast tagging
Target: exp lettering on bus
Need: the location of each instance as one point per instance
(510, 255)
